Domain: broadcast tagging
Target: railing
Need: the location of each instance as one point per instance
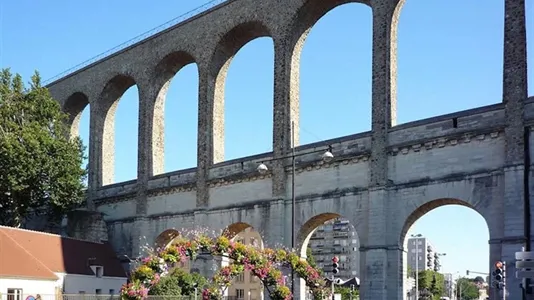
(204, 7)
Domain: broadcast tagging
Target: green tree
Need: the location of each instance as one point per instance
(466, 289)
(346, 292)
(310, 258)
(40, 169)
(409, 272)
(432, 282)
(179, 283)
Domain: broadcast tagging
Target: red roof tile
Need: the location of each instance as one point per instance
(66, 255)
(16, 262)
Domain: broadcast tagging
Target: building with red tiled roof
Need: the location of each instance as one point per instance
(34, 262)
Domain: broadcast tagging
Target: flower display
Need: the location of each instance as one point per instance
(262, 263)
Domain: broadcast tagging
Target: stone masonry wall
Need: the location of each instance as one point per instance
(382, 180)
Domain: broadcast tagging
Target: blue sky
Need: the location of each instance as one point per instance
(449, 59)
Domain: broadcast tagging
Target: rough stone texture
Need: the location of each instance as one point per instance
(87, 225)
(382, 181)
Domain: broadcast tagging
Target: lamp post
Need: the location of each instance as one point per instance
(459, 287)
(416, 237)
(263, 169)
(437, 265)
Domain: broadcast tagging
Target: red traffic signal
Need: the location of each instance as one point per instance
(335, 259)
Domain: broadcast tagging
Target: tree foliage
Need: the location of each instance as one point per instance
(410, 272)
(347, 293)
(432, 283)
(40, 165)
(466, 289)
(179, 283)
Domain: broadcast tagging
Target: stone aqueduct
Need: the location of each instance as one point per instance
(382, 180)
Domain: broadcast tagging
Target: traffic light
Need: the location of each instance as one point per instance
(499, 274)
(335, 265)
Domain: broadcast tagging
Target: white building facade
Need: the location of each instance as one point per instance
(91, 285)
(37, 265)
(422, 255)
(20, 289)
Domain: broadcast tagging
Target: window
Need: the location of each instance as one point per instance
(81, 292)
(111, 291)
(240, 293)
(14, 294)
(240, 278)
(99, 271)
(98, 291)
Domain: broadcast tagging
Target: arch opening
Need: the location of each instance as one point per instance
(74, 107)
(164, 239)
(246, 285)
(78, 108)
(243, 105)
(175, 117)
(335, 71)
(248, 100)
(442, 239)
(120, 105)
(435, 42)
(325, 236)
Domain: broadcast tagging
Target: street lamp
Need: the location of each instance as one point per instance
(458, 287)
(437, 265)
(262, 168)
(416, 237)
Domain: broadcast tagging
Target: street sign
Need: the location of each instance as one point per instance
(524, 264)
(524, 255)
(524, 274)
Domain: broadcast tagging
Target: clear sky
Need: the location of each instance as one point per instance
(449, 59)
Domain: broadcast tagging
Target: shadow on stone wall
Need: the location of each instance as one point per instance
(86, 225)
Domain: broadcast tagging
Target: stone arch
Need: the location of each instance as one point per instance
(233, 232)
(74, 106)
(227, 47)
(421, 210)
(106, 109)
(164, 239)
(308, 229)
(164, 72)
(231, 43)
(308, 15)
(301, 25)
(235, 229)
